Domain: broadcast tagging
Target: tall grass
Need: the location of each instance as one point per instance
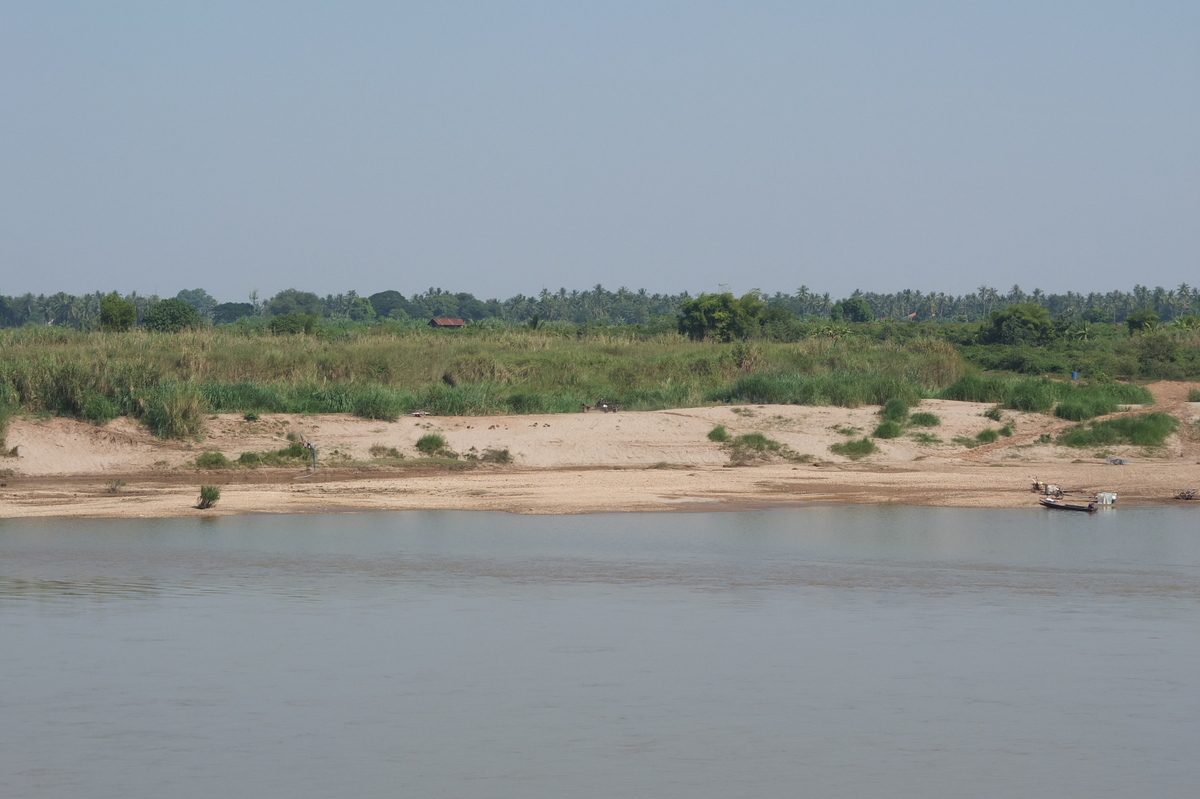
(170, 380)
(1144, 430)
(1072, 401)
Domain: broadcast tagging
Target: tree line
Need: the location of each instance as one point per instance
(595, 306)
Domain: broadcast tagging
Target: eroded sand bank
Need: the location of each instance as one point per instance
(579, 463)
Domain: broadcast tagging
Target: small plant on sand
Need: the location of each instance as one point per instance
(925, 438)
(895, 410)
(859, 448)
(718, 434)
(490, 455)
(113, 486)
(924, 419)
(993, 413)
(755, 447)
(1194, 395)
(383, 451)
(888, 429)
(1007, 430)
(987, 436)
(432, 445)
(250, 417)
(208, 497)
(212, 460)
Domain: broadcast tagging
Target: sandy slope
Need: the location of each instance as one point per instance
(575, 463)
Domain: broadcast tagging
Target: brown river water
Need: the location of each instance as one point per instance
(824, 652)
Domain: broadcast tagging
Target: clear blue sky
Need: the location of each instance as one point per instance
(502, 147)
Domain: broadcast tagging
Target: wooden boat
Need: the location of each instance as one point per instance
(1058, 504)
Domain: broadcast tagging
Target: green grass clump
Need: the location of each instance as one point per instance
(383, 451)
(888, 429)
(895, 410)
(212, 460)
(431, 444)
(6, 414)
(993, 413)
(847, 390)
(1194, 395)
(925, 438)
(174, 411)
(718, 434)
(859, 448)
(988, 436)
(208, 497)
(1075, 401)
(753, 447)
(924, 419)
(1143, 430)
(490, 455)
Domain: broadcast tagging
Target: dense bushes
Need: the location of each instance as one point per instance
(1146, 430)
(1075, 401)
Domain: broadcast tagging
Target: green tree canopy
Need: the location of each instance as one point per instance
(228, 312)
(116, 314)
(852, 309)
(199, 299)
(293, 301)
(1141, 321)
(720, 317)
(170, 316)
(1024, 323)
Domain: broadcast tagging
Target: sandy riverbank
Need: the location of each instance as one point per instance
(577, 463)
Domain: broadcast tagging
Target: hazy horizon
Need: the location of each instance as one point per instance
(499, 149)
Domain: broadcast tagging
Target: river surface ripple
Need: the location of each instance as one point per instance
(860, 651)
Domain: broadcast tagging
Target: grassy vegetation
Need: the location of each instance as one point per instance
(1075, 401)
(924, 419)
(1194, 395)
(858, 448)
(208, 497)
(922, 437)
(718, 434)
(172, 380)
(895, 410)
(431, 445)
(753, 447)
(1145, 430)
(888, 429)
(212, 460)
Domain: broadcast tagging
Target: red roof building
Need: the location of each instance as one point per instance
(444, 322)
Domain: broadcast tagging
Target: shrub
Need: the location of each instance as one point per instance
(895, 410)
(757, 447)
(1078, 409)
(987, 436)
(1007, 430)
(170, 316)
(98, 409)
(431, 444)
(496, 456)
(208, 497)
(1194, 395)
(924, 419)
(1144, 430)
(250, 459)
(976, 388)
(377, 402)
(117, 314)
(383, 451)
(6, 413)
(888, 429)
(993, 413)
(174, 412)
(251, 416)
(292, 324)
(212, 460)
(854, 450)
(718, 434)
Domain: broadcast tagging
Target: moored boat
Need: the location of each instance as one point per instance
(1058, 504)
